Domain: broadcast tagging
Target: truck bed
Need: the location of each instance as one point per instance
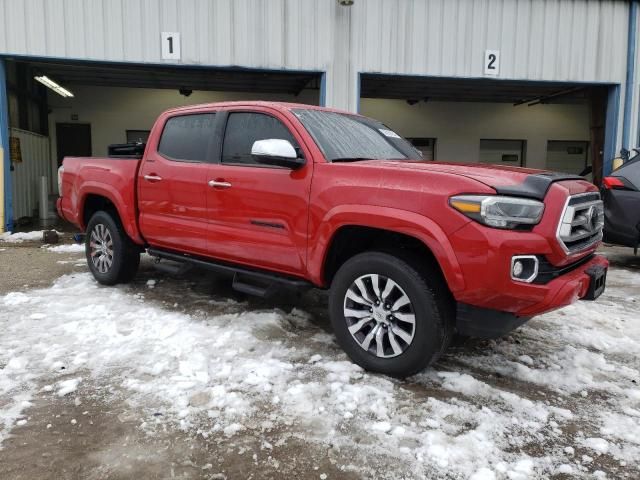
(113, 178)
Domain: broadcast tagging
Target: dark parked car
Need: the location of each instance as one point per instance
(621, 196)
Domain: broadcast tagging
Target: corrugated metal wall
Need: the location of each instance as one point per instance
(569, 40)
(260, 33)
(538, 40)
(26, 174)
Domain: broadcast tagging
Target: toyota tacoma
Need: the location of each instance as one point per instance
(288, 195)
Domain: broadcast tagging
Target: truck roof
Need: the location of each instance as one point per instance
(256, 103)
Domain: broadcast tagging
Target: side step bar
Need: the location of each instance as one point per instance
(176, 268)
(251, 286)
(252, 282)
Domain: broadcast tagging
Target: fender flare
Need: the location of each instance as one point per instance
(384, 218)
(127, 218)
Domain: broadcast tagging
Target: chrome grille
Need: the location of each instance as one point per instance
(581, 222)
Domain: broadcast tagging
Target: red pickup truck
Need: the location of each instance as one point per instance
(300, 196)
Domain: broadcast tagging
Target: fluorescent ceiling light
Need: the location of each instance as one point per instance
(47, 82)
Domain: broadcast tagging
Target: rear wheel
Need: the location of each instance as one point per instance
(389, 315)
(111, 255)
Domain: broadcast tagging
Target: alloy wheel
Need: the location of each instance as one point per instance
(101, 248)
(379, 315)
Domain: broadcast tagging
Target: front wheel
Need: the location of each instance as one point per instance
(111, 255)
(389, 316)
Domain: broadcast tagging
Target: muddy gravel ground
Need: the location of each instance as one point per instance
(510, 408)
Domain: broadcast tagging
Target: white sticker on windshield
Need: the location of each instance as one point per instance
(389, 133)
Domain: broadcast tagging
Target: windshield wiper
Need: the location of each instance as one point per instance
(350, 159)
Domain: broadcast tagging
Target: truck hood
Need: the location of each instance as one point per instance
(516, 181)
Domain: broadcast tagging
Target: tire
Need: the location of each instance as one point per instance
(431, 305)
(111, 255)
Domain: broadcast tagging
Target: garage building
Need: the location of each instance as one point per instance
(535, 83)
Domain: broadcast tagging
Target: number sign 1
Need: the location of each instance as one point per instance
(491, 62)
(170, 45)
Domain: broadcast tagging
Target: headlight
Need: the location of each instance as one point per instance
(497, 211)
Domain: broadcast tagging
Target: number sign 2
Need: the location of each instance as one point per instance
(170, 45)
(491, 62)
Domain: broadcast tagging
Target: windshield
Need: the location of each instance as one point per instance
(344, 137)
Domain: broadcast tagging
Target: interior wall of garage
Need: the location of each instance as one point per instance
(459, 126)
(111, 111)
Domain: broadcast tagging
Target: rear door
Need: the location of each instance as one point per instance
(258, 214)
(172, 182)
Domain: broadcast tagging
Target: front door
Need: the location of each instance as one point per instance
(258, 213)
(73, 140)
(172, 184)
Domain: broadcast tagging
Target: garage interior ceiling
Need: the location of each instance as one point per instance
(192, 78)
(470, 90)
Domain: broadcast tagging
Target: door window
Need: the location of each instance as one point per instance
(243, 129)
(188, 137)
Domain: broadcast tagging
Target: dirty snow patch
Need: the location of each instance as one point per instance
(65, 387)
(20, 237)
(67, 248)
(269, 371)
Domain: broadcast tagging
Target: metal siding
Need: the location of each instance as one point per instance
(561, 40)
(25, 178)
(572, 40)
(34, 16)
(539, 39)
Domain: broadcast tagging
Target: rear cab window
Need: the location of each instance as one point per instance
(188, 138)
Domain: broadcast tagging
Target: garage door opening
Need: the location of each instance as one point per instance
(118, 103)
(547, 125)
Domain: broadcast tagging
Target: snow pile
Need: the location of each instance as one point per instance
(68, 248)
(569, 391)
(20, 237)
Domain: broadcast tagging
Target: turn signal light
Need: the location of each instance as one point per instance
(465, 206)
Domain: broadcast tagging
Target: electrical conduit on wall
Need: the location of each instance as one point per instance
(630, 82)
(6, 218)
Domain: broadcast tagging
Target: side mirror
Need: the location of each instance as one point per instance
(278, 152)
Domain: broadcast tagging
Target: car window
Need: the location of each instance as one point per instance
(243, 129)
(188, 137)
(352, 137)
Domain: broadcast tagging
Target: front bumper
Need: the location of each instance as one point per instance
(585, 282)
(484, 256)
(565, 289)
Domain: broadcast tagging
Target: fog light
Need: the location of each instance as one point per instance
(517, 268)
(524, 268)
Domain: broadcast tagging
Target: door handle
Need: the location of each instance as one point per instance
(219, 184)
(152, 178)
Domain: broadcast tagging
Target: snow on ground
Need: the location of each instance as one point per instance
(67, 248)
(20, 237)
(556, 397)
